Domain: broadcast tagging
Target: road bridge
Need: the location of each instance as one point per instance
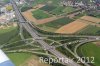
(31, 31)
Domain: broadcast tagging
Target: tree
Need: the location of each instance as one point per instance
(9, 8)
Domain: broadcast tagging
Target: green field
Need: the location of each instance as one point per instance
(69, 9)
(6, 34)
(48, 8)
(54, 25)
(38, 1)
(55, 2)
(19, 58)
(91, 50)
(52, 2)
(39, 14)
(57, 11)
(90, 30)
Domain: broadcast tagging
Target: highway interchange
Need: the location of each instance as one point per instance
(25, 24)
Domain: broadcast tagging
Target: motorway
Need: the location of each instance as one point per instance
(31, 31)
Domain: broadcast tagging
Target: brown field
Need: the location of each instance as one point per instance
(97, 43)
(90, 19)
(28, 15)
(72, 27)
(46, 20)
(79, 24)
(34, 61)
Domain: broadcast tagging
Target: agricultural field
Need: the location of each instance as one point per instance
(90, 30)
(69, 9)
(25, 8)
(25, 59)
(72, 27)
(39, 14)
(38, 2)
(58, 10)
(54, 25)
(19, 58)
(90, 19)
(48, 8)
(52, 2)
(7, 34)
(91, 50)
(55, 2)
(83, 25)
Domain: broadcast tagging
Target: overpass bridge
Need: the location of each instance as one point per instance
(31, 31)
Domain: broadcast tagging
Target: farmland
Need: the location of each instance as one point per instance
(34, 61)
(90, 30)
(52, 2)
(56, 23)
(69, 9)
(91, 50)
(48, 8)
(86, 25)
(57, 11)
(19, 58)
(91, 19)
(72, 27)
(7, 34)
(55, 2)
(39, 14)
(38, 2)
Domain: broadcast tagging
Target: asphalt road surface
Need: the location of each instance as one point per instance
(31, 31)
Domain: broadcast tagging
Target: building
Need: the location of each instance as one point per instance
(5, 16)
(97, 2)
